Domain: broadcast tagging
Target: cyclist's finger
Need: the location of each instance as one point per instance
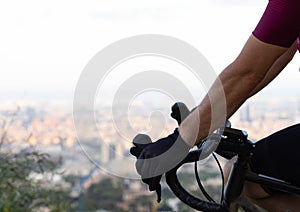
(143, 165)
(139, 165)
(135, 151)
(154, 182)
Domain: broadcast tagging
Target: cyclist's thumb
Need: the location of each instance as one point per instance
(140, 141)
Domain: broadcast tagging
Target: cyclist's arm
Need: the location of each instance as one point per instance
(276, 68)
(238, 80)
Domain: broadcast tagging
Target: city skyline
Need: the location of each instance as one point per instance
(49, 127)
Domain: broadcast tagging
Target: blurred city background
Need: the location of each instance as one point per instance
(45, 45)
(75, 182)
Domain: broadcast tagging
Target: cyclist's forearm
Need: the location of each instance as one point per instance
(276, 68)
(235, 85)
(222, 100)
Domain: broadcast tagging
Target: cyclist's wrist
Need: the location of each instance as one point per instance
(186, 137)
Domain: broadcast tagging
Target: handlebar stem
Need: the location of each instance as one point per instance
(232, 140)
(236, 181)
(236, 141)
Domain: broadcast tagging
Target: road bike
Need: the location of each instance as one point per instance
(226, 142)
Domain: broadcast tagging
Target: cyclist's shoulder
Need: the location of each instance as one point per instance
(285, 7)
(280, 23)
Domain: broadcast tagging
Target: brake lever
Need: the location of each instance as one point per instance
(158, 193)
(179, 112)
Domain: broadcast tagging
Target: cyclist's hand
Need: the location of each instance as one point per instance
(154, 159)
(141, 141)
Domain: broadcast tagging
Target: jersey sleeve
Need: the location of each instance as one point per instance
(280, 23)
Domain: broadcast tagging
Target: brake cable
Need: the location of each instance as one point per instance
(222, 175)
(204, 192)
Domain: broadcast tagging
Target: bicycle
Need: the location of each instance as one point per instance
(226, 142)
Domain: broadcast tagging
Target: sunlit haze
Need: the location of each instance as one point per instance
(85, 123)
(46, 44)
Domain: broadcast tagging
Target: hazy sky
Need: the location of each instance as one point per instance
(44, 45)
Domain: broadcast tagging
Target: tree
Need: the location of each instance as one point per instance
(20, 190)
(104, 195)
